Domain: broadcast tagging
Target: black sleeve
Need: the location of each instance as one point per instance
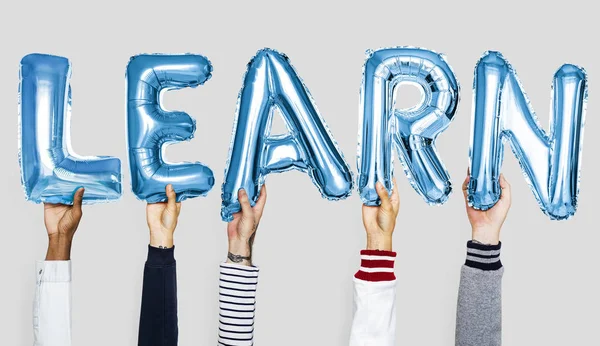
(158, 316)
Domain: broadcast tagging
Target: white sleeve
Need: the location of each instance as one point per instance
(52, 304)
(374, 322)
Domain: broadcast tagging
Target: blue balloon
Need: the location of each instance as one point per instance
(550, 162)
(271, 82)
(50, 170)
(150, 128)
(411, 131)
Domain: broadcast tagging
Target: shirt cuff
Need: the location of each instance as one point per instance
(376, 266)
(53, 271)
(160, 257)
(484, 257)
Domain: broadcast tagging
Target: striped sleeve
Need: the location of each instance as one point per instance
(237, 299)
(376, 265)
(484, 257)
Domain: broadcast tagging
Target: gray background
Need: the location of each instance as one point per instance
(307, 247)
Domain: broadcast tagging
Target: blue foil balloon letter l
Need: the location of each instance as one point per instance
(411, 131)
(270, 82)
(150, 128)
(550, 162)
(50, 170)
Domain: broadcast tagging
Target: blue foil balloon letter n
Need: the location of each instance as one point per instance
(50, 170)
(411, 131)
(550, 162)
(271, 82)
(150, 128)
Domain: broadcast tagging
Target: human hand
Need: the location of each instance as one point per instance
(162, 219)
(242, 230)
(486, 225)
(61, 222)
(380, 221)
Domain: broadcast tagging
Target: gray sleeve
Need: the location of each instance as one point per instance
(479, 310)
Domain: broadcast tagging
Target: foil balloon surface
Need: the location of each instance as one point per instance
(411, 131)
(150, 128)
(50, 169)
(550, 161)
(272, 83)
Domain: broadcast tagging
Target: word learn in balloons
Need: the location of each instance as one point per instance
(551, 161)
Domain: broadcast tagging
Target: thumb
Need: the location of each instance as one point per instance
(172, 199)
(244, 203)
(505, 186)
(465, 186)
(386, 204)
(77, 202)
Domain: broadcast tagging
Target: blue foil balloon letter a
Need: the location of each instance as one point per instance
(50, 170)
(550, 162)
(150, 128)
(411, 131)
(271, 82)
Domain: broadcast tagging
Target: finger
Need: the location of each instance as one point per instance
(465, 186)
(171, 198)
(262, 200)
(506, 189)
(383, 196)
(77, 202)
(395, 198)
(244, 203)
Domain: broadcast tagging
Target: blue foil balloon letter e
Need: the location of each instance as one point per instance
(550, 162)
(270, 82)
(150, 128)
(411, 131)
(50, 170)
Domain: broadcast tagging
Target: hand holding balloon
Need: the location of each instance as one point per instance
(486, 224)
(380, 221)
(242, 229)
(162, 219)
(61, 222)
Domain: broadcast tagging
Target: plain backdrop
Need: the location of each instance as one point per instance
(307, 247)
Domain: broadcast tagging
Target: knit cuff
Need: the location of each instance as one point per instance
(376, 266)
(160, 257)
(484, 257)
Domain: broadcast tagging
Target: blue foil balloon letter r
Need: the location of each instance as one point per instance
(271, 82)
(411, 131)
(50, 170)
(150, 128)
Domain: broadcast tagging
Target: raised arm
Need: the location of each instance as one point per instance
(374, 320)
(479, 310)
(158, 316)
(52, 302)
(239, 276)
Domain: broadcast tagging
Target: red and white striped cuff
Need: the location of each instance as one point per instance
(376, 265)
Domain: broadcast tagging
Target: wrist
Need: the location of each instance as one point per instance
(240, 247)
(161, 240)
(381, 242)
(239, 252)
(59, 247)
(485, 236)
